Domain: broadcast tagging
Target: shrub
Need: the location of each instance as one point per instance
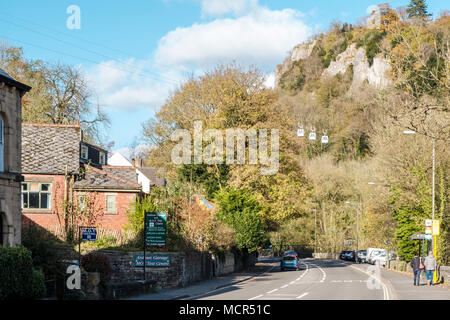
(40, 242)
(98, 262)
(241, 211)
(18, 279)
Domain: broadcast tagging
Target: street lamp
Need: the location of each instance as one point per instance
(433, 243)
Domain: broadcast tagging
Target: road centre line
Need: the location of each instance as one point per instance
(272, 291)
(256, 297)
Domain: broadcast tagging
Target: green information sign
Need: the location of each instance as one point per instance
(152, 260)
(155, 229)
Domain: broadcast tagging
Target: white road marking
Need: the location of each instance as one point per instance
(284, 286)
(303, 295)
(324, 275)
(272, 291)
(292, 282)
(256, 297)
(385, 289)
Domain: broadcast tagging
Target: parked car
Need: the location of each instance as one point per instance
(344, 255)
(290, 262)
(371, 252)
(379, 258)
(351, 256)
(361, 256)
(374, 254)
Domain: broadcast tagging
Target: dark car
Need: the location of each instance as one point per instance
(344, 255)
(351, 256)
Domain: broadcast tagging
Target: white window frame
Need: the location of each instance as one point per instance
(87, 152)
(102, 158)
(82, 204)
(107, 211)
(27, 192)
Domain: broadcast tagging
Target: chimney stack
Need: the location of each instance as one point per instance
(137, 163)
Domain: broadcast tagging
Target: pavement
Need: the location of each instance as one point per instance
(206, 286)
(317, 279)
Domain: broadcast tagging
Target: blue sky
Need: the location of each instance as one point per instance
(134, 54)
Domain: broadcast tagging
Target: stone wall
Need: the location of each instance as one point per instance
(11, 93)
(402, 266)
(324, 255)
(185, 267)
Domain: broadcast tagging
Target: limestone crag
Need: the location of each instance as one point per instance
(377, 74)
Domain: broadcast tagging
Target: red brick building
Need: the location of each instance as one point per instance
(67, 181)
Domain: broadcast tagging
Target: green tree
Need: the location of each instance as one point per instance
(417, 8)
(241, 211)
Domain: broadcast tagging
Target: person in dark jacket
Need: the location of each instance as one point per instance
(415, 265)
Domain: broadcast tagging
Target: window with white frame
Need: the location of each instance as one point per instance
(102, 158)
(111, 204)
(82, 202)
(84, 152)
(36, 195)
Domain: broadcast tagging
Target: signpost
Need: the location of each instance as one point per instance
(85, 234)
(431, 232)
(155, 226)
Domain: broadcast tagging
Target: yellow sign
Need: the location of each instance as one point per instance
(435, 228)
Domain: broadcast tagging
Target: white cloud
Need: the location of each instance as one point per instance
(270, 81)
(262, 37)
(129, 84)
(221, 7)
(371, 8)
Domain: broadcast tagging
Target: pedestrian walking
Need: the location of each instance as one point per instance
(430, 266)
(417, 266)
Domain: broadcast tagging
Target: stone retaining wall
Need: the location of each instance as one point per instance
(443, 272)
(185, 267)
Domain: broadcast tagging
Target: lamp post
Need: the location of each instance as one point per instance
(433, 242)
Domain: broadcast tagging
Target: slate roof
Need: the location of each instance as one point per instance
(153, 175)
(109, 178)
(5, 77)
(127, 173)
(47, 148)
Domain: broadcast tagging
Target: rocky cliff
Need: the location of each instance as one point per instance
(376, 74)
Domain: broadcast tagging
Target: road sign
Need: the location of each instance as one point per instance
(152, 260)
(89, 234)
(301, 132)
(312, 136)
(428, 223)
(427, 230)
(155, 229)
(435, 228)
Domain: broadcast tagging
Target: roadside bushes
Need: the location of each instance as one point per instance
(18, 278)
(98, 262)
